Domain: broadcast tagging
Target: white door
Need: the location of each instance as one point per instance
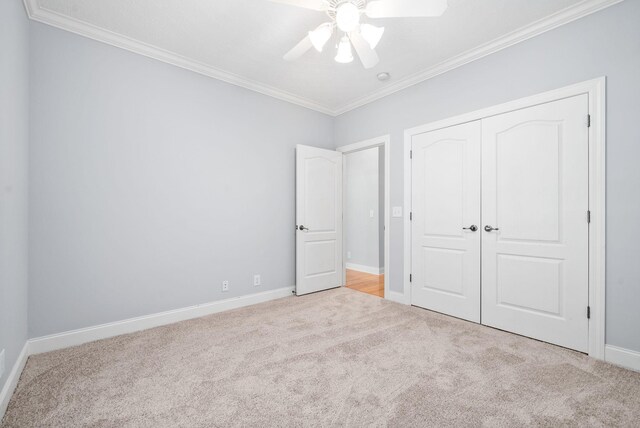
(446, 221)
(535, 197)
(318, 219)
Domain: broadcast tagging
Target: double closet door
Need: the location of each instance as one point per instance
(500, 228)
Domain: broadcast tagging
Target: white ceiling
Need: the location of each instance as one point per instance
(243, 41)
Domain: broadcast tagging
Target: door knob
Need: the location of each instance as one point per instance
(488, 228)
(472, 228)
(303, 228)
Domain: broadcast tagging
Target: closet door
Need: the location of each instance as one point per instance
(446, 221)
(535, 229)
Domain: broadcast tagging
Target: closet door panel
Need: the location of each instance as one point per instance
(535, 197)
(445, 204)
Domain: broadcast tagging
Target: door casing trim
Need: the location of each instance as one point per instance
(596, 90)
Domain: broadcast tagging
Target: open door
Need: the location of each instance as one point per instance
(318, 219)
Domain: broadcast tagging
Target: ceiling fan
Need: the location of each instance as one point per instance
(345, 16)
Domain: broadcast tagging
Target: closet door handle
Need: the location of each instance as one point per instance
(488, 228)
(472, 228)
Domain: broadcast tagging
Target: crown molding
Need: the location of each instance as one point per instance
(91, 31)
(534, 29)
(82, 28)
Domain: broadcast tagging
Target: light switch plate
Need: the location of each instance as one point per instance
(397, 212)
(370, 213)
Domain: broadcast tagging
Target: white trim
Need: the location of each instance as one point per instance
(597, 184)
(12, 380)
(406, 278)
(394, 296)
(562, 17)
(91, 31)
(374, 270)
(363, 145)
(622, 357)
(597, 205)
(84, 335)
(82, 28)
(592, 87)
(382, 141)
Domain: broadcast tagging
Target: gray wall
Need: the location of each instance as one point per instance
(361, 197)
(603, 44)
(150, 184)
(14, 145)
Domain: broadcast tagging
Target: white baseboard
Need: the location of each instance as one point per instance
(12, 379)
(366, 269)
(622, 357)
(394, 296)
(84, 335)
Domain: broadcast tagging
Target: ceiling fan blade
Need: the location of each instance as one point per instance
(368, 56)
(405, 8)
(320, 5)
(299, 49)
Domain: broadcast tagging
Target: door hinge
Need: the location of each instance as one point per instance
(588, 121)
(589, 216)
(588, 312)
(411, 216)
(410, 278)
(410, 154)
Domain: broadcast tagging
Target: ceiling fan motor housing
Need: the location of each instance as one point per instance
(334, 4)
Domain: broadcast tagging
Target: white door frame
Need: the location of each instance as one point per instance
(596, 89)
(383, 141)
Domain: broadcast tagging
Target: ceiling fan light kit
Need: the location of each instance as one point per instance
(345, 16)
(344, 54)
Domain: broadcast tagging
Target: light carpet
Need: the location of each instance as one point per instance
(336, 358)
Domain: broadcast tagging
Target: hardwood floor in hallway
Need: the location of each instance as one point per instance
(365, 282)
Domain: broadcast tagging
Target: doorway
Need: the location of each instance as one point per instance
(364, 220)
(365, 212)
(321, 256)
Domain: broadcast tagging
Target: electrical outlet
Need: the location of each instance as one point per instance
(348, 254)
(225, 285)
(1, 363)
(256, 280)
(397, 212)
